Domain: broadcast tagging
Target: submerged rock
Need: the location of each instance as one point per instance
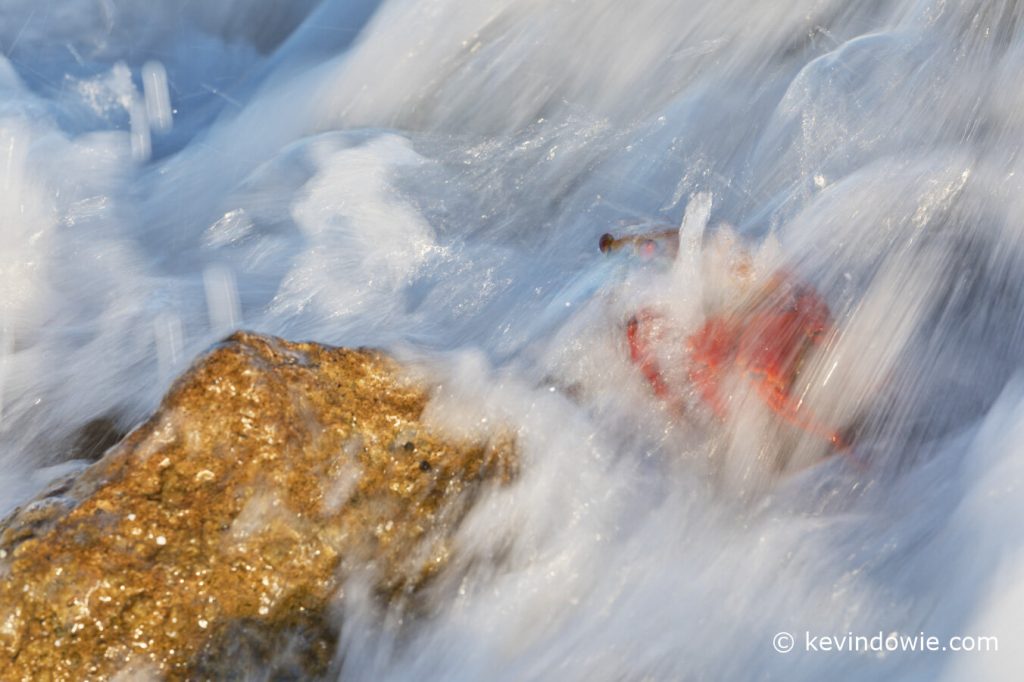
(222, 528)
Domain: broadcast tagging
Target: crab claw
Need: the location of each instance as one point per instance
(647, 245)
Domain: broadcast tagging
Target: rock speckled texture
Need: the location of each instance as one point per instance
(222, 528)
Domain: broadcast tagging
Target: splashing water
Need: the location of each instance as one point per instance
(433, 177)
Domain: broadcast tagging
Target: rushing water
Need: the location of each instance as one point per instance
(432, 176)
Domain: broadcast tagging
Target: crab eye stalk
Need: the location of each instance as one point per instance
(606, 243)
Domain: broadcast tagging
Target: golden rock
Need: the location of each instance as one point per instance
(225, 525)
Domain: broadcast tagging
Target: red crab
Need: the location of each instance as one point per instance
(766, 342)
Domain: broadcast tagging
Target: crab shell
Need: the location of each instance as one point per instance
(767, 343)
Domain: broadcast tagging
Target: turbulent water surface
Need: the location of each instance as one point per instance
(432, 176)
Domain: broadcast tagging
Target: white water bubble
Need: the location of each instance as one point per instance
(6, 348)
(157, 96)
(168, 337)
(141, 139)
(221, 300)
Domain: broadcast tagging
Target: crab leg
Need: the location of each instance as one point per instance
(783, 405)
(640, 353)
(711, 351)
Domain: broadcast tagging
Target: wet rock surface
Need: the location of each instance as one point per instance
(218, 533)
